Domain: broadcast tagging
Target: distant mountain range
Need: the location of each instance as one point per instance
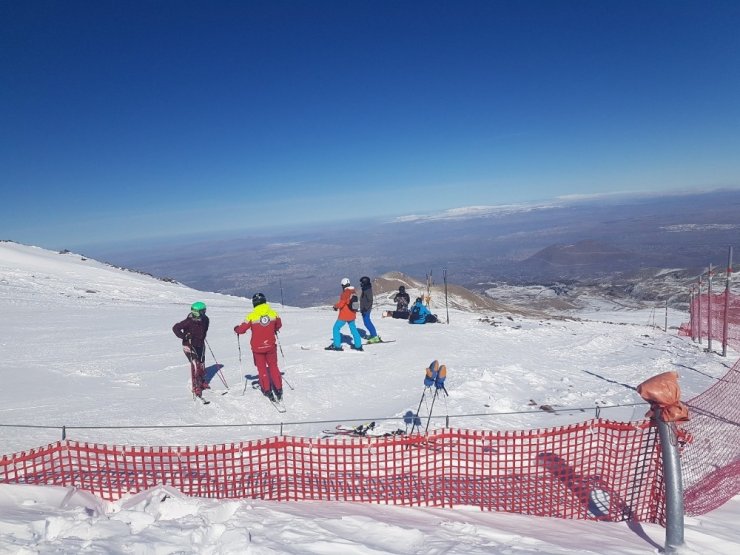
(617, 242)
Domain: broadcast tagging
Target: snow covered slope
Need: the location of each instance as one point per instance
(88, 345)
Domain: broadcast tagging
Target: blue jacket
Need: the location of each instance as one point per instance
(418, 313)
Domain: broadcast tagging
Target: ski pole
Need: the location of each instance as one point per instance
(280, 346)
(447, 409)
(283, 355)
(444, 274)
(423, 394)
(220, 374)
(429, 418)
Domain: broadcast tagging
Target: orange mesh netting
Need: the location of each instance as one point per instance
(596, 470)
(711, 462)
(708, 317)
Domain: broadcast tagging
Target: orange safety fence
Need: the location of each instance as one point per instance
(708, 318)
(711, 464)
(593, 470)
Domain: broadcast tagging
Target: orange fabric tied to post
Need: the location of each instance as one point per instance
(662, 391)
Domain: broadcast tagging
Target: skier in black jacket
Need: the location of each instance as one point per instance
(402, 301)
(366, 305)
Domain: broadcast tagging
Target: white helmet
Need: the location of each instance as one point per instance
(345, 282)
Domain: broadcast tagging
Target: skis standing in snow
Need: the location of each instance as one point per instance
(264, 323)
(193, 330)
(434, 376)
(366, 306)
(347, 315)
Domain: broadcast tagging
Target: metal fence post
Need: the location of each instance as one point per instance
(700, 316)
(665, 328)
(727, 303)
(692, 313)
(674, 506)
(709, 309)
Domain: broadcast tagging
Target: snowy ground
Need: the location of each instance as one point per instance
(88, 346)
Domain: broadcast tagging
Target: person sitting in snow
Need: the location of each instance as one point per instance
(192, 330)
(264, 323)
(420, 314)
(402, 301)
(366, 306)
(347, 316)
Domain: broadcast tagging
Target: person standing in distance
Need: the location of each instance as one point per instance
(264, 323)
(366, 305)
(347, 315)
(193, 330)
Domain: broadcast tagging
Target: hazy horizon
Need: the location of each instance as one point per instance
(129, 122)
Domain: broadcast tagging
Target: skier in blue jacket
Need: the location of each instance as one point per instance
(420, 314)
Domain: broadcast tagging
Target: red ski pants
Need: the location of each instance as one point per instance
(269, 373)
(197, 370)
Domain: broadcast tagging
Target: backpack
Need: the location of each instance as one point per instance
(354, 303)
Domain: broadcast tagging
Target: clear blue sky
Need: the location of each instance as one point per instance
(126, 120)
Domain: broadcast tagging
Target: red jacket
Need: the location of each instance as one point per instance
(264, 323)
(345, 314)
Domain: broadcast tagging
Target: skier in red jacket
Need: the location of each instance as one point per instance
(264, 323)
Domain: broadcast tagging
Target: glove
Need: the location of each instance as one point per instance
(335, 308)
(188, 337)
(236, 330)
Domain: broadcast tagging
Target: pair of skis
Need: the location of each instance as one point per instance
(250, 379)
(363, 430)
(356, 431)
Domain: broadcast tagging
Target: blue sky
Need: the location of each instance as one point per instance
(135, 120)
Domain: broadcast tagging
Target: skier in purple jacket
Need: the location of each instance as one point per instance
(192, 330)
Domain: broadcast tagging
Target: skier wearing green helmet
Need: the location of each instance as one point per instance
(192, 330)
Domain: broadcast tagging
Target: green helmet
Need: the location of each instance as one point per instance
(197, 308)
